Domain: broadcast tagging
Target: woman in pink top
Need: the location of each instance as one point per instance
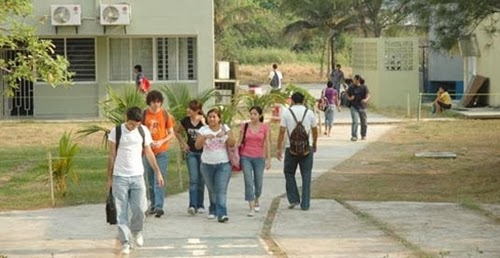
(255, 142)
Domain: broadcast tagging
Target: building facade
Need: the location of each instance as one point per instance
(172, 40)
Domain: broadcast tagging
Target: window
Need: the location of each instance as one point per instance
(176, 58)
(125, 53)
(80, 55)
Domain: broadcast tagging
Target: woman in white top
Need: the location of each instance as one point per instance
(214, 138)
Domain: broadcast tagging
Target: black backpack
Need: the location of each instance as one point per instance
(275, 81)
(299, 138)
(119, 135)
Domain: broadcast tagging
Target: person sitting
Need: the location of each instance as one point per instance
(442, 102)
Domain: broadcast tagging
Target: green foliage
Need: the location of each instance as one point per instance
(270, 55)
(309, 100)
(178, 97)
(265, 101)
(33, 60)
(63, 165)
(115, 109)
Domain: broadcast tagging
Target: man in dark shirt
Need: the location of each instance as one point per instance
(358, 95)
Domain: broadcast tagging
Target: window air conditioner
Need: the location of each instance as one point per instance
(115, 14)
(66, 15)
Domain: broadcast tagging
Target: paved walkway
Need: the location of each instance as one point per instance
(328, 229)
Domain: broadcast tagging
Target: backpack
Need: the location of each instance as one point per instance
(119, 135)
(145, 84)
(275, 81)
(299, 138)
(323, 103)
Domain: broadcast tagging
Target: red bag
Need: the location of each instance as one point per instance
(145, 84)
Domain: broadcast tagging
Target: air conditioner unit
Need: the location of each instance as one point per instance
(66, 15)
(115, 14)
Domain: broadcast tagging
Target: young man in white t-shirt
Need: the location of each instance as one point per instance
(291, 162)
(271, 76)
(126, 176)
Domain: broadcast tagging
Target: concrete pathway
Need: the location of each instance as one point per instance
(328, 229)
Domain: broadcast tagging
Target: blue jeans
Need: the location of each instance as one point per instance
(129, 192)
(253, 172)
(156, 193)
(358, 114)
(217, 179)
(329, 112)
(196, 182)
(290, 167)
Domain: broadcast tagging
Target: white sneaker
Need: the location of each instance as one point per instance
(201, 210)
(256, 208)
(125, 249)
(191, 211)
(251, 213)
(211, 216)
(139, 240)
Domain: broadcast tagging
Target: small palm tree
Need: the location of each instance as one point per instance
(115, 109)
(63, 166)
(309, 101)
(178, 97)
(265, 101)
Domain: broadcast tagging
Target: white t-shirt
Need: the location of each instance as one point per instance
(288, 121)
(214, 150)
(280, 76)
(128, 161)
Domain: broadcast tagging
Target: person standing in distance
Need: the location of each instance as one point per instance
(298, 113)
(358, 95)
(126, 176)
(275, 78)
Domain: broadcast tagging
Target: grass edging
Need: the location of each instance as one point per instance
(481, 211)
(265, 234)
(386, 229)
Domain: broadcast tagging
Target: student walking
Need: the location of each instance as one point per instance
(214, 138)
(332, 97)
(255, 146)
(300, 124)
(191, 124)
(275, 78)
(126, 176)
(161, 126)
(358, 95)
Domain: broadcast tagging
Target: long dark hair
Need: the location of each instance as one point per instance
(260, 111)
(359, 79)
(196, 106)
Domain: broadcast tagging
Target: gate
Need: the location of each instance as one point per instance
(21, 104)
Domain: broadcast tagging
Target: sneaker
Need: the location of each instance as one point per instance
(251, 213)
(200, 210)
(363, 138)
(139, 240)
(151, 211)
(211, 216)
(191, 211)
(223, 219)
(159, 213)
(125, 249)
(292, 205)
(256, 208)
(354, 139)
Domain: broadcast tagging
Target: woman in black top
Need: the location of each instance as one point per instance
(358, 95)
(190, 125)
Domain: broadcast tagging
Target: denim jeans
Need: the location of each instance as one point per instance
(217, 179)
(253, 172)
(329, 112)
(196, 182)
(358, 114)
(290, 167)
(129, 192)
(156, 193)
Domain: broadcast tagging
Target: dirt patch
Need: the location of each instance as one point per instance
(387, 170)
(26, 134)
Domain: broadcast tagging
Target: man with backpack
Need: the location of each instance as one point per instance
(161, 125)
(126, 176)
(300, 125)
(275, 78)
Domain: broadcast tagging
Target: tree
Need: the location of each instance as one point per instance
(33, 58)
(377, 15)
(455, 19)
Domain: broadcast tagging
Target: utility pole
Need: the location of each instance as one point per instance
(424, 68)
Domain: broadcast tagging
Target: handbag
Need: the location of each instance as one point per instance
(111, 209)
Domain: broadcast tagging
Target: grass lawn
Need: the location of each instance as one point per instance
(387, 170)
